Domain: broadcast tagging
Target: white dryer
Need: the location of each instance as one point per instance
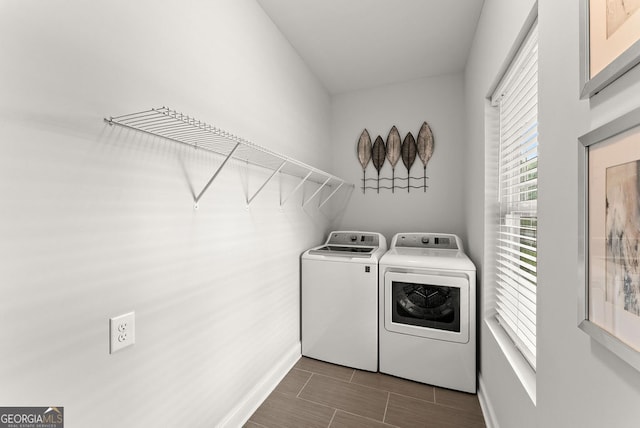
(428, 311)
(339, 308)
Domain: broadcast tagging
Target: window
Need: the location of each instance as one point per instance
(516, 100)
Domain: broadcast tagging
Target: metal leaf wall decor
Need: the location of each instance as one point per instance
(425, 148)
(364, 152)
(409, 150)
(394, 150)
(378, 155)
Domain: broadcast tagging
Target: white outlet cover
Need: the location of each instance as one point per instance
(122, 331)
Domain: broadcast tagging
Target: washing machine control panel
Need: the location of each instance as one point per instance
(427, 240)
(354, 238)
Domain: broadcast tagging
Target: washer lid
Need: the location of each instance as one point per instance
(358, 247)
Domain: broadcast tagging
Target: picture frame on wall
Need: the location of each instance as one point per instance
(609, 289)
(609, 42)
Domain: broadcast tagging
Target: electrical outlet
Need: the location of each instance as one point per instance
(122, 331)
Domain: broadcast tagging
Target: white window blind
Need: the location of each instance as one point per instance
(516, 98)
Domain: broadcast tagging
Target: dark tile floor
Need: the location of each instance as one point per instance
(318, 394)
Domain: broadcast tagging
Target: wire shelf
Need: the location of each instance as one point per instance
(177, 127)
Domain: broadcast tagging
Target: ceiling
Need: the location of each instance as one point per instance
(356, 44)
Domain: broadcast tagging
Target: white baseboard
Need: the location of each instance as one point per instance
(485, 405)
(241, 413)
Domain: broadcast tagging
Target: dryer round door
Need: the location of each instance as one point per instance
(433, 305)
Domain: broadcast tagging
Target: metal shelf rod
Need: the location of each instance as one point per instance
(332, 193)
(296, 188)
(317, 191)
(215, 174)
(266, 182)
(175, 140)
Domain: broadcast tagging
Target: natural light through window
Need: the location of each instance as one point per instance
(516, 99)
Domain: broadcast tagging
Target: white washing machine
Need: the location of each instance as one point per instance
(340, 299)
(428, 311)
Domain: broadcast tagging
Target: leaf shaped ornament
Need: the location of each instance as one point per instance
(394, 144)
(424, 143)
(364, 149)
(409, 151)
(378, 153)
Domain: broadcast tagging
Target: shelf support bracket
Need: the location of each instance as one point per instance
(296, 188)
(331, 195)
(215, 174)
(317, 191)
(266, 182)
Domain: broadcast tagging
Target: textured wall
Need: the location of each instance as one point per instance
(97, 220)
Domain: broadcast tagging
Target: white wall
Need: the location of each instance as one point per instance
(579, 383)
(97, 220)
(440, 102)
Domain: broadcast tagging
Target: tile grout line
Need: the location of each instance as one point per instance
(315, 402)
(384, 389)
(354, 383)
(332, 417)
(404, 395)
(368, 418)
(386, 406)
(303, 386)
(312, 371)
(353, 373)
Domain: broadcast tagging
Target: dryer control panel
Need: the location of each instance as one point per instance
(439, 241)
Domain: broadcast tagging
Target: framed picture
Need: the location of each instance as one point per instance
(609, 294)
(609, 42)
